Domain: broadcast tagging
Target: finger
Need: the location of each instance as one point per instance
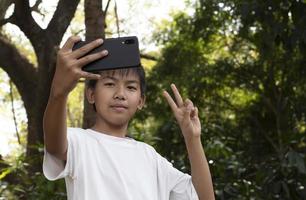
(90, 58)
(170, 101)
(194, 112)
(70, 42)
(90, 76)
(188, 103)
(177, 95)
(87, 48)
(187, 113)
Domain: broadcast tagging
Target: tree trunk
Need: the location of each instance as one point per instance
(95, 23)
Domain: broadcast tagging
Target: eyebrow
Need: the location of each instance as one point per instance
(115, 79)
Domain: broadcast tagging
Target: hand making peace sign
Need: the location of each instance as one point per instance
(185, 113)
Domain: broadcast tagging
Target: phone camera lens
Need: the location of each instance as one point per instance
(129, 41)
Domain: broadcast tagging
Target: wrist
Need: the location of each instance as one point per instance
(56, 94)
(192, 139)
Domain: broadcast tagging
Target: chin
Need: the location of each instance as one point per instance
(116, 121)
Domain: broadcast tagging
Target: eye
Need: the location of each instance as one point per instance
(131, 87)
(109, 84)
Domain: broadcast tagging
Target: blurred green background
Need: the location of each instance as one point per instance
(243, 63)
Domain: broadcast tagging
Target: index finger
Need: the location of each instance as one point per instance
(87, 48)
(70, 42)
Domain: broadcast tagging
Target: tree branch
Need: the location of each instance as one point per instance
(23, 19)
(5, 21)
(148, 57)
(35, 7)
(61, 19)
(13, 111)
(117, 20)
(106, 8)
(4, 5)
(19, 69)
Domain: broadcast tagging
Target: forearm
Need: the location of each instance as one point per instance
(55, 126)
(201, 177)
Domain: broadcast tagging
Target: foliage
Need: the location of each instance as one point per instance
(75, 106)
(18, 183)
(243, 64)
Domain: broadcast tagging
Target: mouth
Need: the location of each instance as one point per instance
(119, 107)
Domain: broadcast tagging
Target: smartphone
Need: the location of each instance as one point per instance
(123, 52)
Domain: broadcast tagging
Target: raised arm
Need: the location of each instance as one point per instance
(67, 74)
(186, 115)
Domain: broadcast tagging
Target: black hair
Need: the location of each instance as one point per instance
(139, 71)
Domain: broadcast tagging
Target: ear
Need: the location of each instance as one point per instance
(90, 95)
(141, 103)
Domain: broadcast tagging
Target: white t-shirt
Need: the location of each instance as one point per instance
(104, 167)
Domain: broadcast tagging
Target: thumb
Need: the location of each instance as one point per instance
(90, 76)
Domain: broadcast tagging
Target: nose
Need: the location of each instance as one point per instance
(120, 93)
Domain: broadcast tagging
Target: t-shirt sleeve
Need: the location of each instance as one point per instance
(54, 168)
(179, 184)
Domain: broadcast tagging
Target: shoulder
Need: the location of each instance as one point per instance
(77, 134)
(75, 130)
(81, 139)
(159, 160)
(148, 149)
(146, 146)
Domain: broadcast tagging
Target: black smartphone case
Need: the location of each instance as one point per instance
(123, 52)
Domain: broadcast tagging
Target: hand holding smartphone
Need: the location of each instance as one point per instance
(123, 52)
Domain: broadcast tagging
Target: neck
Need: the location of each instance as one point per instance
(110, 129)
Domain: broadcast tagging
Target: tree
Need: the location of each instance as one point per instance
(33, 83)
(242, 63)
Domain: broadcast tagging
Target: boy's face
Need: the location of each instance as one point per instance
(116, 97)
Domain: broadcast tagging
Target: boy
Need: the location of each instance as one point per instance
(100, 162)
